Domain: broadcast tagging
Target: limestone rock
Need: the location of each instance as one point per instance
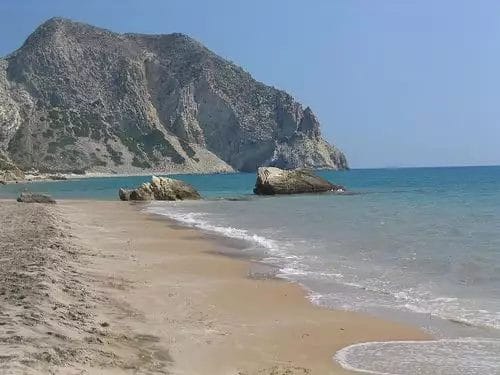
(160, 188)
(76, 98)
(271, 181)
(169, 189)
(142, 193)
(124, 194)
(8, 170)
(27, 197)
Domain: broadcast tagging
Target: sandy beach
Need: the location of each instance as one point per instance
(94, 287)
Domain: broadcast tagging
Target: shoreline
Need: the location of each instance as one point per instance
(58, 177)
(118, 290)
(291, 331)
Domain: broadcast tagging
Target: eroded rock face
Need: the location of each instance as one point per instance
(271, 181)
(124, 194)
(8, 170)
(160, 188)
(79, 98)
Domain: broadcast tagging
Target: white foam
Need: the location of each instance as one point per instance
(196, 219)
(464, 356)
(291, 271)
(290, 265)
(423, 302)
(454, 309)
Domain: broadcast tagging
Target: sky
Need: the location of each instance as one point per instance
(393, 82)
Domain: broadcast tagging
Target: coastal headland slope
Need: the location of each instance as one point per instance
(78, 98)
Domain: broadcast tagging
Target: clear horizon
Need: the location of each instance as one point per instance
(395, 84)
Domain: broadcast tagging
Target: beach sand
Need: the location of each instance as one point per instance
(107, 289)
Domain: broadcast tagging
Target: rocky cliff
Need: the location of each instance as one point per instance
(8, 170)
(79, 98)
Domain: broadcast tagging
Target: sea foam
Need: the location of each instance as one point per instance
(289, 265)
(464, 356)
(197, 220)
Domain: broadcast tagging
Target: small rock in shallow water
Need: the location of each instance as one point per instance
(35, 198)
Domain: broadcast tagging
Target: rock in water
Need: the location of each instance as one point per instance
(142, 193)
(27, 197)
(162, 189)
(271, 181)
(124, 194)
(169, 189)
(88, 99)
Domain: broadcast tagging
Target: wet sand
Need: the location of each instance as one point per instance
(158, 298)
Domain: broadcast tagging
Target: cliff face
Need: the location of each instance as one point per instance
(76, 97)
(8, 170)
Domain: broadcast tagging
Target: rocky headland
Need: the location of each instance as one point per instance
(75, 98)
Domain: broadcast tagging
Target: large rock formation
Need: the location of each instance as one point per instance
(78, 98)
(271, 181)
(161, 189)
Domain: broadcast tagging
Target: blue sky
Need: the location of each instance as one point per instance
(394, 83)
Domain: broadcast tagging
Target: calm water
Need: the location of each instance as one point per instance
(419, 245)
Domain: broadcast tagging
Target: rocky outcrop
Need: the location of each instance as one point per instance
(162, 189)
(124, 194)
(271, 181)
(77, 98)
(8, 170)
(57, 177)
(27, 197)
(142, 193)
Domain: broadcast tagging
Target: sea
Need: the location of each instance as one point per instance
(414, 245)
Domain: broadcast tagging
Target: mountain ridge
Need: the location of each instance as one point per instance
(75, 97)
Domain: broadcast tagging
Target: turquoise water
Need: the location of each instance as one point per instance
(438, 181)
(418, 245)
(105, 188)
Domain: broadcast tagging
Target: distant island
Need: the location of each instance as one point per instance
(77, 98)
